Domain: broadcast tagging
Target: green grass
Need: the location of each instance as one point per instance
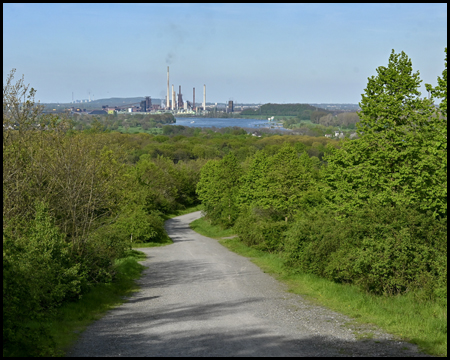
(184, 211)
(419, 322)
(138, 245)
(203, 227)
(72, 318)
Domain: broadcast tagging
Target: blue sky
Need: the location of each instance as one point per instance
(279, 53)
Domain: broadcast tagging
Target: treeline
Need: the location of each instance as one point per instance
(302, 111)
(347, 120)
(182, 143)
(373, 213)
(114, 121)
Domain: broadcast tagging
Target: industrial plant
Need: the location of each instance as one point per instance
(173, 103)
(177, 105)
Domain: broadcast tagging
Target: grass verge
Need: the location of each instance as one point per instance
(72, 318)
(203, 227)
(184, 211)
(165, 242)
(419, 322)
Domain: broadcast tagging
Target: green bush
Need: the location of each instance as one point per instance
(38, 275)
(139, 226)
(261, 229)
(384, 250)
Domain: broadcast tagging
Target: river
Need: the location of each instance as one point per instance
(228, 122)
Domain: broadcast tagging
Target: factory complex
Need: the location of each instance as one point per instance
(176, 105)
(173, 103)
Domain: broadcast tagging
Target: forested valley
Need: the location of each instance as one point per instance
(370, 211)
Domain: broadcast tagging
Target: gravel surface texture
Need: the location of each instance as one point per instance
(197, 298)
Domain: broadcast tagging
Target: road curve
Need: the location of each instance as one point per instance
(199, 299)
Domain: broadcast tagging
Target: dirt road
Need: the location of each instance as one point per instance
(199, 299)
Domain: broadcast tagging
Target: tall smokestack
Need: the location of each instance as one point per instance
(204, 97)
(180, 99)
(193, 101)
(173, 98)
(167, 101)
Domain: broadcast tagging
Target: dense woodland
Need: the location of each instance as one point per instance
(303, 111)
(371, 211)
(114, 121)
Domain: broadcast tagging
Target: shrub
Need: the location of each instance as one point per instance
(383, 249)
(38, 274)
(139, 226)
(262, 229)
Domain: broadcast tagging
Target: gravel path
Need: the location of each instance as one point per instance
(199, 299)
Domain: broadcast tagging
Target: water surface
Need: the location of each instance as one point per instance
(230, 122)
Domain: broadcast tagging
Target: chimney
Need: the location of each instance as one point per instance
(193, 101)
(173, 99)
(167, 103)
(204, 97)
(180, 99)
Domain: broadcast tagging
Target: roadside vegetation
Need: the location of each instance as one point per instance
(59, 329)
(370, 214)
(407, 317)
(75, 201)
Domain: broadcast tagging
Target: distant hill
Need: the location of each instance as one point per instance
(338, 107)
(97, 104)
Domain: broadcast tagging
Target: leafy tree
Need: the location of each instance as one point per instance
(217, 189)
(316, 115)
(440, 91)
(254, 181)
(157, 181)
(277, 182)
(21, 114)
(398, 158)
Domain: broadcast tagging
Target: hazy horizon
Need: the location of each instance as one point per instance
(277, 53)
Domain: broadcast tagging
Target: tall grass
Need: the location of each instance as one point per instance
(406, 316)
